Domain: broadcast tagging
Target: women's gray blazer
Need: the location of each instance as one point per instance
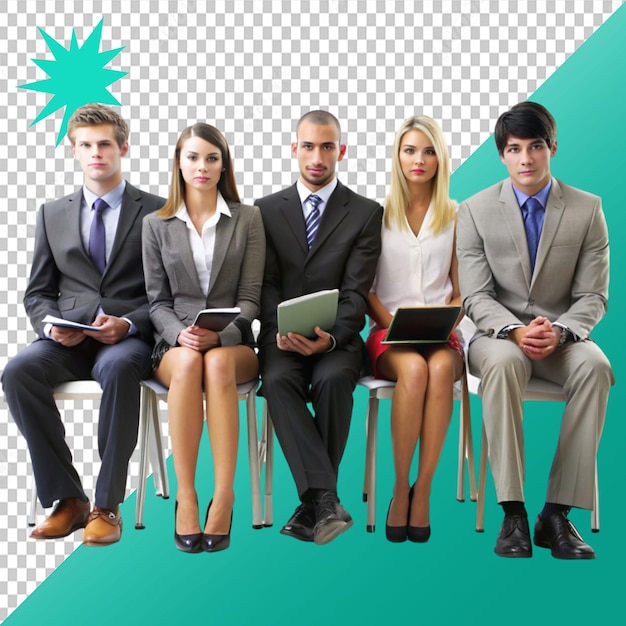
(172, 283)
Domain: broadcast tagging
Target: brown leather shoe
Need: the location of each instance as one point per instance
(69, 515)
(104, 527)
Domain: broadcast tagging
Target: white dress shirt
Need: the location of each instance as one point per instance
(203, 245)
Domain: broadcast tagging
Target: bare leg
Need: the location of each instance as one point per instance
(410, 370)
(181, 371)
(224, 368)
(444, 367)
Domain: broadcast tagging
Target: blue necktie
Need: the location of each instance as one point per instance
(533, 222)
(97, 236)
(313, 219)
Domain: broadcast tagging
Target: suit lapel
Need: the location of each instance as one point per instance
(335, 212)
(223, 235)
(179, 238)
(551, 221)
(292, 212)
(129, 212)
(512, 217)
(72, 212)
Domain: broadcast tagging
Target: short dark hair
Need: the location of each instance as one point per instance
(322, 118)
(526, 120)
(98, 115)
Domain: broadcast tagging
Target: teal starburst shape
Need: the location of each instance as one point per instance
(77, 76)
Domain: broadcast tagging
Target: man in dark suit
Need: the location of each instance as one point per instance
(320, 235)
(86, 268)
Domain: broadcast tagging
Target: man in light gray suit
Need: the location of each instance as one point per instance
(534, 272)
(86, 268)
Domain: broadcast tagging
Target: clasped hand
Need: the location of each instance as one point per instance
(293, 342)
(537, 340)
(200, 339)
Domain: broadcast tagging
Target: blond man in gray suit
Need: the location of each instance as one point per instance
(534, 272)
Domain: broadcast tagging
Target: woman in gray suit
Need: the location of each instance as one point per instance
(203, 249)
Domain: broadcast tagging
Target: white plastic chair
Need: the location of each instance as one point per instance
(380, 389)
(153, 392)
(90, 390)
(537, 390)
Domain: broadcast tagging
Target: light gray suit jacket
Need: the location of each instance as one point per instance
(172, 281)
(571, 277)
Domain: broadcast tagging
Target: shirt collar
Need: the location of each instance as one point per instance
(113, 198)
(541, 195)
(324, 193)
(221, 208)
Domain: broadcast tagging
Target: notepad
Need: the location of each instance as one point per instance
(302, 314)
(216, 319)
(422, 324)
(61, 323)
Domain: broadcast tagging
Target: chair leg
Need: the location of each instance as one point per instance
(469, 446)
(595, 512)
(369, 494)
(466, 447)
(32, 509)
(144, 428)
(157, 454)
(267, 438)
(482, 483)
(253, 458)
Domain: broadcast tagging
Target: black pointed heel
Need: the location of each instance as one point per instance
(395, 534)
(215, 543)
(187, 543)
(416, 534)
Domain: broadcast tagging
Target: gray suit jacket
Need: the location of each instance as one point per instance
(172, 280)
(64, 281)
(571, 277)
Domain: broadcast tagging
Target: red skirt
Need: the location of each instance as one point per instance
(375, 348)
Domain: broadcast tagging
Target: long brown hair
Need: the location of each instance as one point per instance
(226, 185)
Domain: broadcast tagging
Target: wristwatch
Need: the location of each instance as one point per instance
(566, 336)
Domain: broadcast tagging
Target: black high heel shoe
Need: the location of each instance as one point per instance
(215, 543)
(416, 534)
(187, 543)
(395, 534)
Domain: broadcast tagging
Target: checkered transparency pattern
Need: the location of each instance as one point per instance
(251, 68)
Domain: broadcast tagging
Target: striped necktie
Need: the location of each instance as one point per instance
(313, 219)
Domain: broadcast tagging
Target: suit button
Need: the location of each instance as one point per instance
(531, 302)
(103, 295)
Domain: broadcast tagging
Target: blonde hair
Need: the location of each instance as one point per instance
(398, 198)
(226, 185)
(98, 115)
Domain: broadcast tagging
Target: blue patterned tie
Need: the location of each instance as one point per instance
(313, 219)
(533, 222)
(97, 236)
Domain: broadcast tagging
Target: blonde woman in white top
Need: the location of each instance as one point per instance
(417, 266)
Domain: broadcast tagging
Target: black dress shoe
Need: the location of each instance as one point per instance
(416, 534)
(186, 543)
(331, 518)
(395, 534)
(300, 525)
(215, 543)
(514, 538)
(559, 534)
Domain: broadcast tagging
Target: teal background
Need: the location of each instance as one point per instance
(361, 578)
